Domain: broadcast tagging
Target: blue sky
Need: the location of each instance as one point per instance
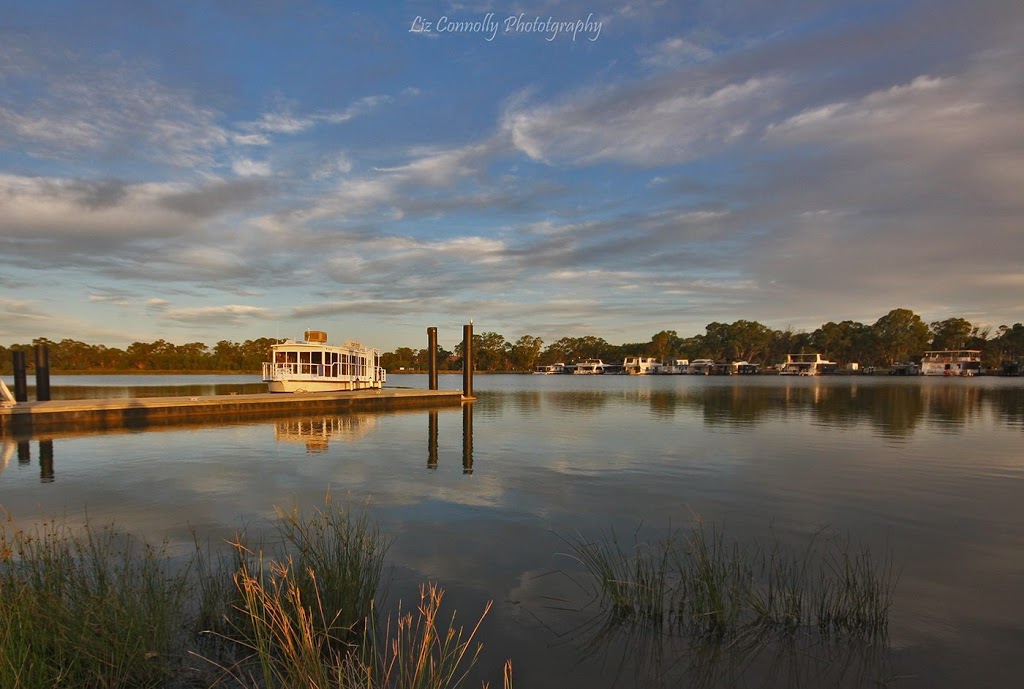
(203, 171)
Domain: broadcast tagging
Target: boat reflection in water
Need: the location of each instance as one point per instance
(318, 431)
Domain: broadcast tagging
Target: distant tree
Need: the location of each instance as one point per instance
(665, 345)
(525, 352)
(952, 333)
(900, 335)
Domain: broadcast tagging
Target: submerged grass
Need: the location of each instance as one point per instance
(701, 585)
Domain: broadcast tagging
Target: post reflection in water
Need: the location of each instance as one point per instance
(467, 438)
(432, 439)
(46, 474)
(24, 452)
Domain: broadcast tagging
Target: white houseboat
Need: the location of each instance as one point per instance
(640, 365)
(701, 367)
(549, 369)
(675, 367)
(313, 365)
(951, 362)
(807, 365)
(589, 367)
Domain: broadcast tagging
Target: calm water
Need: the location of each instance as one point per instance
(929, 469)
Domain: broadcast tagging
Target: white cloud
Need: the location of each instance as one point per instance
(244, 167)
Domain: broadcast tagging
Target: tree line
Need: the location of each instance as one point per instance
(897, 337)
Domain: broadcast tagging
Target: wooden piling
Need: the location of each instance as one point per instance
(20, 381)
(467, 361)
(42, 373)
(432, 358)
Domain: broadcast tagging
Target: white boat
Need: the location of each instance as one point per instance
(701, 367)
(674, 368)
(640, 365)
(549, 369)
(951, 362)
(313, 365)
(589, 367)
(806, 365)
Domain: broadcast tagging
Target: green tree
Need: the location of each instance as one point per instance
(900, 335)
(526, 352)
(952, 333)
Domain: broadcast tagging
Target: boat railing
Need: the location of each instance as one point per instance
(294, 370)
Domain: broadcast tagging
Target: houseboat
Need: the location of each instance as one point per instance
(675, 367)
(701, 367)
(313, 365)
(640, 365)
(549, 369)
(589, 367)
(951, 362)
(807, 365)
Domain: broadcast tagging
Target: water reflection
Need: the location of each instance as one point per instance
(318, 431)
(9, 447)
(892, 410)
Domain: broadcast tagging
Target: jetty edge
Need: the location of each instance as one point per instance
(141, 412)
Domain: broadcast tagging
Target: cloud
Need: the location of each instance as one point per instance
(105, 107)
(659, 122)
(229, 314)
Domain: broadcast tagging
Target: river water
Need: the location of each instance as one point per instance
(928, 471)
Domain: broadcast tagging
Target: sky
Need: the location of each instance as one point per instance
(206, 171)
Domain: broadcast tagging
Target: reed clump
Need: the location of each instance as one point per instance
(700, 584)
(95, 608)
(87, 608)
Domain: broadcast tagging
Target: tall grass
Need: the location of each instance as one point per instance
(700, 584)
(93, 608)
(96, 609)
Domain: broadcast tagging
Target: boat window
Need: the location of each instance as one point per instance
(293, 357)
(303, 357)
(316, 357)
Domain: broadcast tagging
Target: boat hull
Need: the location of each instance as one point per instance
(320, 385)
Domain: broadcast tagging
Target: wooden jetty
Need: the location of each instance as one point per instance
(142, 412)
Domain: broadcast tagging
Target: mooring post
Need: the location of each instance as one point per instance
(42, 373)
(467, 361)
(432, 358)
(20, 382)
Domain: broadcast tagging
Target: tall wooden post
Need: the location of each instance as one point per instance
(467, 361)
(432, 358)
(42, 373)
(20, 381)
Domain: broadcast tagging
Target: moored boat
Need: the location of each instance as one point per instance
(640, 365)
(549, 369)
(951, 362)
(809, 364)
(589, 367)
(313, 365)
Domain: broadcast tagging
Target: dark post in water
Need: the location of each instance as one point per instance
(467, 439)
(42, 373)
(467, 360)
(432, 358)
(20, 382)
(432, 440)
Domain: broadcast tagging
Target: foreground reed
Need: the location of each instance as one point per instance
(92, 608)
(702, 585)
(95, 608)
